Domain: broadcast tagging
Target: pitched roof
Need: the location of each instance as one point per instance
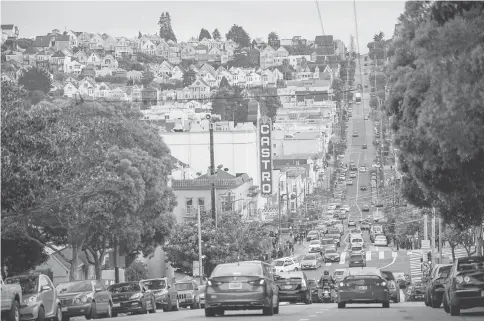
(62, 38)
(222, 180)
(42, 41)
(58, 54)
(6, 27)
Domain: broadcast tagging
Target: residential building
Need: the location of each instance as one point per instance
(234, 193)
(10, 31)
(267, 57)
(279, 56)
(304, 142)
(254, 56)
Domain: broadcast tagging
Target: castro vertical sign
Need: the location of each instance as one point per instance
(265, 152)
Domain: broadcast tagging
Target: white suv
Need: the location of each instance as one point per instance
(286, 264)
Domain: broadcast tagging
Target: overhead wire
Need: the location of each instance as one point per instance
(320, 18)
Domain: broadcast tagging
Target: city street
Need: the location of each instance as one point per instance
(408, 311)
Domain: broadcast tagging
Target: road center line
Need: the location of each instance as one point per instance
(393, 261)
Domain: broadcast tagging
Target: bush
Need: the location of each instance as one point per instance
(136, 271)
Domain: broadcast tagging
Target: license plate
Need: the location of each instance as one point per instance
(64, 309)
(235, 285)
(362, 288)
(287, 286)
(116, 305)
(134, 303)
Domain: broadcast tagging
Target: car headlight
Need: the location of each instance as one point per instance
(84, 298)
(31, 301)
(136, 296)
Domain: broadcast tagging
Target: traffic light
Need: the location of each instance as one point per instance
(429, 256)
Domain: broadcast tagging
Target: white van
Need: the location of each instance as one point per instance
(356, 241)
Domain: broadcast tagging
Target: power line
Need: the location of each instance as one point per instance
(320, 18)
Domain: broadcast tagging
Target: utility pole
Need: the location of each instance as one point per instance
(279, 196)
(212, 173)
(200, 258)
(426, 222)
(440, 240)
(433, 235)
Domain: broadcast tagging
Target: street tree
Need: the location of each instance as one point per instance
(36, 79)
(272, 39)
(136, 271)
(204, 34)
(239, 36)
(147, 78)
(467, 240)
(224, 83)
(430, 100)
(379, 37)
(451, 235)
(166, 30)
(216, 34)
(189, 77)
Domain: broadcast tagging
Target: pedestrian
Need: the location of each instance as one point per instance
(280, 253)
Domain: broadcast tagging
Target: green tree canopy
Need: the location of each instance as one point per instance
(36, 79)
(216, 34)
(166, 30)
(239, 36)
(436, 93)
(204, 34)
(189, 77)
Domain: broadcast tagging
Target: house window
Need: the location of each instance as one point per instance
(227, 202)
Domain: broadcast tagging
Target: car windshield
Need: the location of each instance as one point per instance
(445, 270)
(330, 251)
(309, 257)
(339, 273)
(29, 284)
(356, 249)
(73, 287)
(239, 269)
(184, 286)
(124, 287)
(362, 280)
(278, 263)
(470, 264)
(155, 284)
(314, 242)
(326, 242)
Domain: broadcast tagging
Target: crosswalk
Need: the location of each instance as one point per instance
(370, 256)
(415, 255)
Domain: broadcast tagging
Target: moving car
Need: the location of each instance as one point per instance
(465, 286)
(365, 208)
(381, 240)
(352, 174)
(40, 300)
(327, 242)
(349, 182)
(393, 286)
(166, 295)
(88, 298)
(132, 297)
(363, 285)
(355, 134)
(357, 259)
(245, 285)
(364, 146)
(363, 187)
(346, 208)
(293, 287)
(285, 265)
(336, 239)
(351, 223)
(435, 286)
(311, 261)
(315, 246)
(356, 241)
(362, 169)
(11, 298)
(331, 255)
(366, 116)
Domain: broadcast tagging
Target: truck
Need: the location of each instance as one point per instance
(11, 298)
(358, 98)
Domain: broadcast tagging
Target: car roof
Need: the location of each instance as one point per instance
(363, 271)
(295, 273)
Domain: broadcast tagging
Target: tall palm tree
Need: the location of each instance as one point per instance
(378, 37)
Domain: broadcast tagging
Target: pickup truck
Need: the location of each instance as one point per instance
(11, 298)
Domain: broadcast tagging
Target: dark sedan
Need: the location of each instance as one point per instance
(293, 287)
(363, 285)
(415, 292)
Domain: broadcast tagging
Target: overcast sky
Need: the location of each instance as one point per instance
(126, 18)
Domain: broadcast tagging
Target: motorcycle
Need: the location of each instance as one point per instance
(324, 294)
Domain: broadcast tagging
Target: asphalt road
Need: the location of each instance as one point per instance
(408, 311)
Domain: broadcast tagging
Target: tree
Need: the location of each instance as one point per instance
(233, 240)
(451, 235)
(204, 34)
(373, 102)
(224, 83)
(467, 240)
(430, 102)
(81, 166)
(147, 78)
(238, 35)
(36, 79)
(378, 37)
(136, 66)
(166, 30)
(24, 43)
(189, 77)
(216, 34)
(139, 35)
(136, 271)
(272, 38)
(20, 254)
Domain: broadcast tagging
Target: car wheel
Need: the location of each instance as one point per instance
(426, 300)
(296, 269)
(269, 310)
(436, 303)
(14, 312)
(454, 309)
(341, 305)
(41, 315)
(386, 304)
(109, 312)
(65, 318)
(93, 313)
(209, 312)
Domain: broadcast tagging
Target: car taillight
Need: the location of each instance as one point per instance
(341, 284)
(303, 283)
(392, 286)
(383, 284)
(212, 283)
(257, 282)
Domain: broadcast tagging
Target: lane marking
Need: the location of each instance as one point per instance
(303, 319)
(313, 315)
(393, 261)
(394, 254)
(368, 256)
(342, 258)
(402, 296)
(328, 264)
(381, 255)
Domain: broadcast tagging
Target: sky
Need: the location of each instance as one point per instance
(258, 18)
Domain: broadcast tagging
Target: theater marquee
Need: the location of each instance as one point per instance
(265, 145)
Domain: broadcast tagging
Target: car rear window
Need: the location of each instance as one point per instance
(362, 280)
(325, 242)
(242, 269)
(124, 287)
(284, 278)
(338, 273)
(356, 256)
(356, 240)
(309, 257)
(470, 264)
(278, 263)
(445, 269)
(154, 284)
(356, 248)
(314, 242)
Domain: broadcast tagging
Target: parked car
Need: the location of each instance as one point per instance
(465, 286)
(415, 292)
(166, 294)
(434, 289)
(293, 287)
(365, 208)
(250, 283)
(40, 300)
(363, 285)
(393, 286)
(132, 297)
(88, 298)
(188, 294)
(11, 298)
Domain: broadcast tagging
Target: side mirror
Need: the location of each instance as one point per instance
(45, 288)
(169, 286)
